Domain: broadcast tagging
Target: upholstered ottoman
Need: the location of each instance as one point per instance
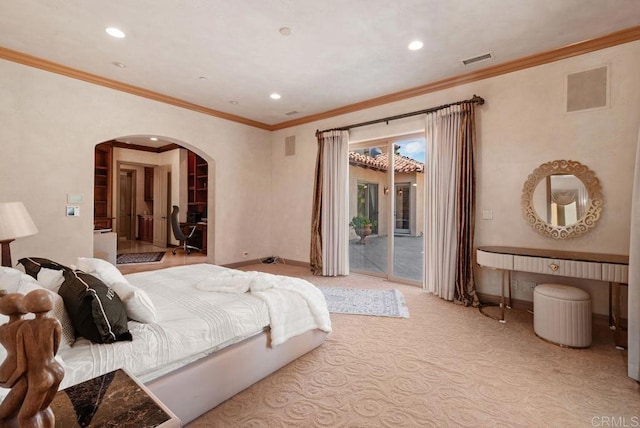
(562, 315)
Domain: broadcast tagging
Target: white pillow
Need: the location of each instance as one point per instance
(107, 272)
(10, 279)
(58, 312)
(137, 303)
(51, 279)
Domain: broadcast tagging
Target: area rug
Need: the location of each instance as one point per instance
(385, 303)
(125, 259)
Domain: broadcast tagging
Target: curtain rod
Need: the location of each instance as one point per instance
(475, 100)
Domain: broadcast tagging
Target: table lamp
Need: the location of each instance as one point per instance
(15, 222)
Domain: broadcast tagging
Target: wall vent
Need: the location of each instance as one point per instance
(290, 146)
(588, 89)
(292, 112)
(478, 58)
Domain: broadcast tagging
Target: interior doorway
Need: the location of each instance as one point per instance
(127, 204)
(138, 217)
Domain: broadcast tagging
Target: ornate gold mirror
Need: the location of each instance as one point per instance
(562, 199)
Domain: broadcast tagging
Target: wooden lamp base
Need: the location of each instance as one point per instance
(6, 252)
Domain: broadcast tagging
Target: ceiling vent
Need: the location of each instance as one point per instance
(478, 58)
(291, 113)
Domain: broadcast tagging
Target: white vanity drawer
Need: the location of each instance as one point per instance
(615, 273)
(571, 268)
(495, 260)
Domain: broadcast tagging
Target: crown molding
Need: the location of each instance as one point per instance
(575, 49)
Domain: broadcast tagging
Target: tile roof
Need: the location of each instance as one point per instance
(381, 162)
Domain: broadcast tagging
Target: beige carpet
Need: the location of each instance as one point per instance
(446, 365)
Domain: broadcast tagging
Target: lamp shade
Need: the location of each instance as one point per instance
(15, 221)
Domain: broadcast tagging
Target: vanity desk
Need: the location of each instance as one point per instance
(609, 268)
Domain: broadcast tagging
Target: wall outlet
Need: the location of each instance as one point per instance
(514, 284)
(529, 286)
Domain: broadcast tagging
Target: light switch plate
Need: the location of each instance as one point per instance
(75, 198)
(73, 211)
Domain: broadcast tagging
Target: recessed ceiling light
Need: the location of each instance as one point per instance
(153, 139)
(415, 45)
(202, 77)
(118, 64)
(115, 32)
(285, 31)
(233, 102)
(275, 96)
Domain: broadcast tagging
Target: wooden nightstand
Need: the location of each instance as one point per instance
(113, 399)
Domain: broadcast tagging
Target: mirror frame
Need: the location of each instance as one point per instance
(592, 213)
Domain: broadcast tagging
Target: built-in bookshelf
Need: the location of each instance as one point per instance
(198, 176)
(102, 187)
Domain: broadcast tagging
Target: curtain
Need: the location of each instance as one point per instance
(633, 331)
(466, 208)
(450, 204)
(315, 253)
(330, 225)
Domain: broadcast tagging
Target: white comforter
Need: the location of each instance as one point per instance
(193, 322)
(295, 305)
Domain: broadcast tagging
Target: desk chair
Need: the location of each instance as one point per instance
(180, 235)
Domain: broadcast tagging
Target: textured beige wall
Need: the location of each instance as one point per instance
(50, 126)
(522, 125)
(262, 199)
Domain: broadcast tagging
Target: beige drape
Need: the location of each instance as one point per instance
(450, 204)
(329, 224)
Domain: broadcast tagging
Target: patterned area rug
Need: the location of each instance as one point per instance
(125, 259)
(385, 303)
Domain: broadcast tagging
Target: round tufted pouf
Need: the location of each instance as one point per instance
(562, 315)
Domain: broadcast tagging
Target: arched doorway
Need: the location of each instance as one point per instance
(137, 181)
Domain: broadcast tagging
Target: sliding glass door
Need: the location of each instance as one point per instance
(386, 179)
(368, 203)
(407, 249)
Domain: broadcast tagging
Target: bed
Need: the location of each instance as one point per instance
(209, 331)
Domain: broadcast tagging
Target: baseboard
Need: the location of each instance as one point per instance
(515, 303)
(598, 319)
(258, 261)
(297, 263)
(242, 264)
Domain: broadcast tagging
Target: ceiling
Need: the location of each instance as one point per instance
(229, 56)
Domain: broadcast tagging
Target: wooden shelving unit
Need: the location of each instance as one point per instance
(198, 173)
(102, 187)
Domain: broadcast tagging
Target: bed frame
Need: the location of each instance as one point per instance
(200, 386)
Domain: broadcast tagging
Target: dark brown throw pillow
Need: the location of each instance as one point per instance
(32, 265)
(95, 310)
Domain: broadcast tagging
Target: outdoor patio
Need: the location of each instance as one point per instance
(372, 257)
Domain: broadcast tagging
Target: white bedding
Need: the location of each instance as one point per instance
(193, 323)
